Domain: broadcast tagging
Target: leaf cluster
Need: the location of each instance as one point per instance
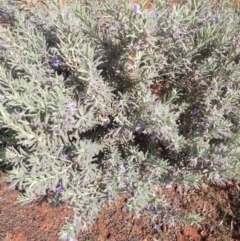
(100, 100)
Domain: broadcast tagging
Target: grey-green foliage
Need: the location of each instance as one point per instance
(77, 109)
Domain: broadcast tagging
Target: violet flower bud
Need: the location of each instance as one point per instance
(229, 91)
(194, 112)
(151, 209)
(151, 137)
(138, 128)
(136, 10)
(169, 185)
(178, 49)
(156, 227)
(154, 14)
(59, 189)
(138, 215)
(72, 106)
(148, 137)
(72, 239)
(70, 16)
(105, 126)
(215, 19)
(83, 97)
(122, 168)
(56, 63)
(125, 209)
(65, 155)
(234, 43)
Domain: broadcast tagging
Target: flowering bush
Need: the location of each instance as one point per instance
(102, 98)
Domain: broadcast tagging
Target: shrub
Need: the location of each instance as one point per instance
(103, 99)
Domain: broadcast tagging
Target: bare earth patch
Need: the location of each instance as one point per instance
(219, 206)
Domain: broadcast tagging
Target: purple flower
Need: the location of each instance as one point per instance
(65, 155)
(229, 91)
(138, 128)
(201, 122)
(194, 112)
(72, 106)
(138, 215)
(156, 227)
(59, 189)
(151, 137)
(169, 185)
(136, 10)
(125, 209)
(234, 42)
(178, 49)
(56, 63)
(83, 97)
(148, 137)
(122, 168)
(154, 14)
(151, 209)
(72, 239)
(105, 126)
(215, 19)
(70, 16)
